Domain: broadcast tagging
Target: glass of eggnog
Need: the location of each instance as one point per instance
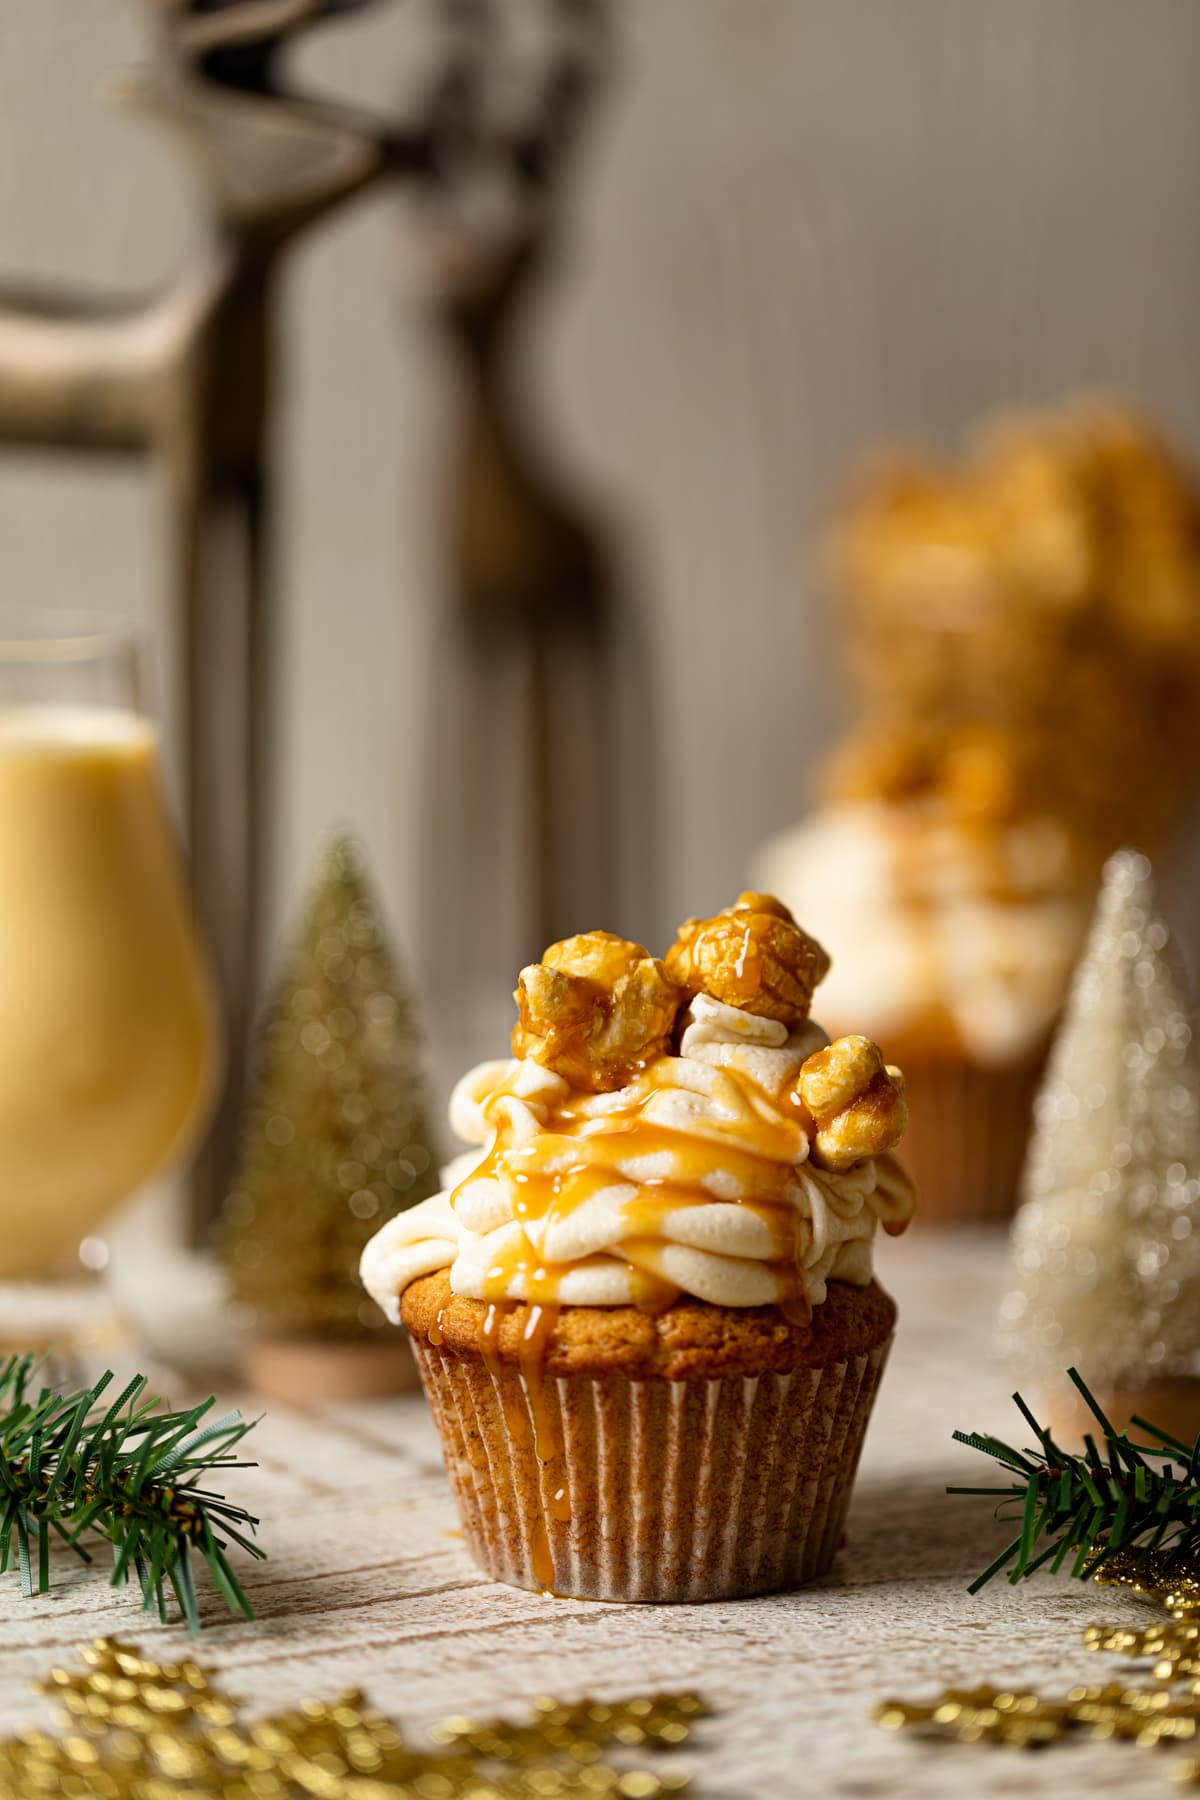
(108, 1039)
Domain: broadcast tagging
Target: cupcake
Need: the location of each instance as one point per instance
(954, 909)
(643, 1306)
(1023, 633)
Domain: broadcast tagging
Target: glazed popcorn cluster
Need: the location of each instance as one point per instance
(598, 1010)
(1046, 587)
(979, 774)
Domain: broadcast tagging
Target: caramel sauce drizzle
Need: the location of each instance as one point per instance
(539, 1329)
(518, 1421)
(557, 1171)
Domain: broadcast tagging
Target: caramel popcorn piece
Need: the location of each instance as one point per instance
(596, 1010)
(1047, 583)
(982, 776)
(981, 773)
(879, 763)
(752, 955)
(856, 1100)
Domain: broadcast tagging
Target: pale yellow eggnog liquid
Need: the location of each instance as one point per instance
(106, 1028)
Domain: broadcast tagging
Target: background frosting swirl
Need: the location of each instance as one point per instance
(921, 911)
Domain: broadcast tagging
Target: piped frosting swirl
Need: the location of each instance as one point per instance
(696, 1176)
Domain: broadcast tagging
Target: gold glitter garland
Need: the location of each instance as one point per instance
(143, 1730)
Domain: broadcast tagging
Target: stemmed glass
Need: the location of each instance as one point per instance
(108, 1035)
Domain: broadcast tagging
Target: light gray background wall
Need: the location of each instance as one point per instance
(803, 223)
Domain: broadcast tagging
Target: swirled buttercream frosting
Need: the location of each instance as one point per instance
(724, 1167)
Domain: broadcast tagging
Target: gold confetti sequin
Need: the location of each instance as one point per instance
(140, 1730)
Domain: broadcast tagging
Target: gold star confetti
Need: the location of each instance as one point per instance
(142, 1730)
(1147, 1714)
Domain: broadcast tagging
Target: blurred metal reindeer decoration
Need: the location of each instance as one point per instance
(184, 378)
(533, 622)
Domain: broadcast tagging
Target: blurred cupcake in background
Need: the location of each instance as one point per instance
(1023, 632)
(957, 907)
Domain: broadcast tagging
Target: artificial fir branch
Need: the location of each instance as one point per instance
(128, 1472)
(1120, 1499)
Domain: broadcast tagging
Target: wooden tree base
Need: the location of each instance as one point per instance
(316, 1371)
(1173, 1405)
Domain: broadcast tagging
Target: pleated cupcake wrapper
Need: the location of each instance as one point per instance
(654, 1490)
(968, 1132)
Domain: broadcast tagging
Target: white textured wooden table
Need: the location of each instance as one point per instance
(369, 1584)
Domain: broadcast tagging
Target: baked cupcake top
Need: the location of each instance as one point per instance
(663, 1128)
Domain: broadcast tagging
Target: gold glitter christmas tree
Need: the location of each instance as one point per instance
(335, 1140)
(1106, 1247)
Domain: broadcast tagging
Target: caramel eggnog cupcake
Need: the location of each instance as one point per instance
(643, 1305)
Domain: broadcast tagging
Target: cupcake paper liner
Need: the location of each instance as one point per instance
(608, 1488)
(968, 1132)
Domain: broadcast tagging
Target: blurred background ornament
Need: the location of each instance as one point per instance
(335, 1142)
(1106, 1246)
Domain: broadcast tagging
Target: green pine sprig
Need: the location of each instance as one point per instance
(129, 1472)
(1116, 1497)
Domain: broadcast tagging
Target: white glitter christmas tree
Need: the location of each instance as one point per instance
(1106, 1247)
